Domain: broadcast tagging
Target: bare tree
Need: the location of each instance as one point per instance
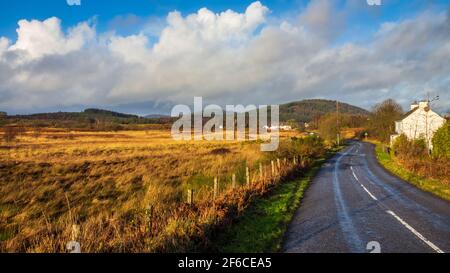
(382, 120)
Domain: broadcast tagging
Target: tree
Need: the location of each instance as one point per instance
(441, 142)
(382, 120)
(328, 127)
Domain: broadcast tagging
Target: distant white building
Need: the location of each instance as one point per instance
(419, 122)
(280, 128)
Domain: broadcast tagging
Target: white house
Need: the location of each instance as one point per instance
(419, 122)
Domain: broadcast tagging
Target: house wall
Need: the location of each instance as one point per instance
(420, 124)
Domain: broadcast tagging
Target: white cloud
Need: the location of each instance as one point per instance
(227, 57)
(36, 38)
(205, 30)
(4, 44)
(133, 49)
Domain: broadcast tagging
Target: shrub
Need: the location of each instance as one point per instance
(441, 142)
(305, 147)
(418, 147)
(409, 148)
(400, 145)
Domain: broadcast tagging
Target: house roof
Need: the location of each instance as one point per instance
(412, 111)
(408, 113)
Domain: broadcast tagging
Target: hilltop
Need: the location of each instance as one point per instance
(98, 119)
(308, 110)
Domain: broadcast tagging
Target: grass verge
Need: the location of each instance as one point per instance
(261, 227)
(433, 186)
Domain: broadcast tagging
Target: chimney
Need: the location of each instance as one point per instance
(414, 105)
(423, 104)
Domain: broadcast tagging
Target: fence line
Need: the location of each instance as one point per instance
(277, 169)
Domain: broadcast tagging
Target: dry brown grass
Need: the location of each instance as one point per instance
(106, 182)
(425, 166)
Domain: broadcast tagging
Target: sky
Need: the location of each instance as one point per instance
(143, 56)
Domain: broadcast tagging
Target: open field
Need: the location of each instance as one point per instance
(122, 191)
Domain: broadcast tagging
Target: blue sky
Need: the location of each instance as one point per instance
(106, 11)
(138, 56)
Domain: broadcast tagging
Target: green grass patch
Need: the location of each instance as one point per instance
(433, 186)
(261, 227)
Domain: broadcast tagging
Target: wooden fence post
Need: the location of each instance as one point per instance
(216, 187)
(233, 181)
(295, 160)
(278, 165)
(190, 196)
(272, 164)
(247, 176)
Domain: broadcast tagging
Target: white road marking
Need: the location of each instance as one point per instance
(368, 192)
(345, 221)
(410, 228)
(415, 232)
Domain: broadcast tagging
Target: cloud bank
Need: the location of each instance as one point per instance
(228, 57)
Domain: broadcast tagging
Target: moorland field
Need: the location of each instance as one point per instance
(126, 191)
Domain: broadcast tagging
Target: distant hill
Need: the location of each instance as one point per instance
(300, 111)
(88, 114)
(107, 113)
(156, 116)
(308, 110)
(90, 118)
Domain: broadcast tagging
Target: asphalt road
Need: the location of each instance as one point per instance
(354, 205)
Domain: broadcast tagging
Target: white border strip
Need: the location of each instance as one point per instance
(415, 232)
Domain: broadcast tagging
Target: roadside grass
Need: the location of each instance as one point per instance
(433, 186)
(261, 227)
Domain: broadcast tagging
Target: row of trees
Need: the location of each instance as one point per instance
(330, 125)
(379, 124)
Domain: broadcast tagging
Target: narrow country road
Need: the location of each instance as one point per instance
(354, 205)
